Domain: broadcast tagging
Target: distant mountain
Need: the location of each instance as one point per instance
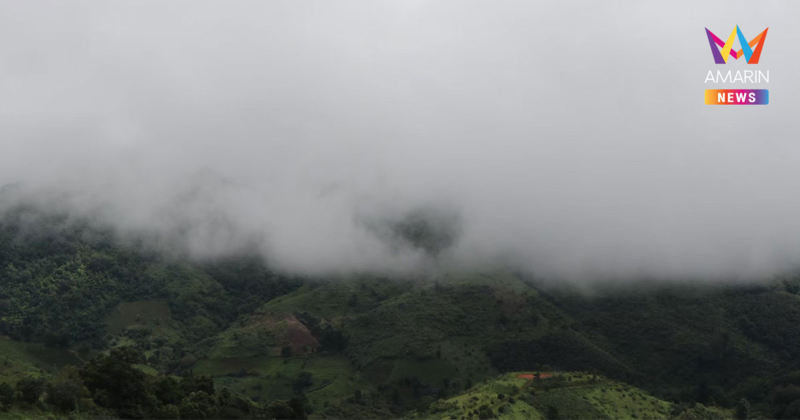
(370, 347)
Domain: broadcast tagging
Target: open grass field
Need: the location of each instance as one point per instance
(267, 378)
(16, 413)
(332, 300)
(432, 372)
(566, 395)
(263, 335)
(153, 313)
(323, 301)
(495, 277)
(18, 359)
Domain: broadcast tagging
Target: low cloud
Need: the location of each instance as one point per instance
(389, 136)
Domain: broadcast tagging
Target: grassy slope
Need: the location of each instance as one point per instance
(573, 395)
(450, 330)
(677, 336)
(267, 378)
(18, 413)
(337, 298)
(152, 313)
(397, 330)
(18, 359)
(438, 332)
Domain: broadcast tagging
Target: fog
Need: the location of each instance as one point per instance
(570, 140)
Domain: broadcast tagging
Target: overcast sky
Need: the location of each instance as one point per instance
(570, 137)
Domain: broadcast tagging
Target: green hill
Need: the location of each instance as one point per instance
(570, 395)
(18, 360)
(372, 347)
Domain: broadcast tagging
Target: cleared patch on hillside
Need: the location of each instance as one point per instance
(18, 359)
(265, 335)
(142, 313)
(331, 300)
(268, 378)
(561, 395)
(532, 376)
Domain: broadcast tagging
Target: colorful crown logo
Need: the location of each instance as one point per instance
(752, 56)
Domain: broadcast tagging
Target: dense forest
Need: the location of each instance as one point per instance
(94, 326)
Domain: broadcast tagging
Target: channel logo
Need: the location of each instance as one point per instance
(750, 54)
(737, 97)
(751, 51)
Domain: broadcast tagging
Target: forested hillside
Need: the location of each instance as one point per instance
(97, 326)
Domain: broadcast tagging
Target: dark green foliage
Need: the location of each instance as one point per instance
(169, 411)
(30, 389)
(64, 395)
(743, 409)
(672, 335)
(249, 282)
(358, 397)
(199, 405)
(292, 409)
(486, 413)
(60, 278)
(302, 382)
(286, 351)
(6, 395)
(200, 383)
(66, 391)
(410, 343)
(116, 384)
(168, 390)
(562, 348)
(234, 406)
(330, 338)
(792, 411)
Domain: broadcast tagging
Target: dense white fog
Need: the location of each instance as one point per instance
(568, 138)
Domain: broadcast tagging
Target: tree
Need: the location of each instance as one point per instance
(66, 391)
(234, 406)
(792, 411)
(197, 383)
(199, 405)
(169, 411)
(358, 397)
(333, 340)
(743, 409)
(292, 409)
(279, 410)
(30, 389)
(298, 408)
(116, 383)
(302, 382)
(167, 390)
(286, 351)
(6, 395)
(486, 413)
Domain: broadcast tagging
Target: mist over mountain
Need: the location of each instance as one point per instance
(398, 209)
(390, 136)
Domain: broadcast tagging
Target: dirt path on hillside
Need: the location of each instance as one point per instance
(530, 376)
